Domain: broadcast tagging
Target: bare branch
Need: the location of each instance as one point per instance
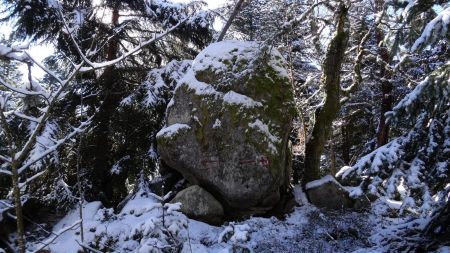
(295, 22)
(99, 65)
(357, 78)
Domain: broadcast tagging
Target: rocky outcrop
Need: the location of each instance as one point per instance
(199, 204)
(228, 124)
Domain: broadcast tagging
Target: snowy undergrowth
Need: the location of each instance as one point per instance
(141, 226)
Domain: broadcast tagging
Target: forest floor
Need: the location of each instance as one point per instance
(306, 229)
(145, 225)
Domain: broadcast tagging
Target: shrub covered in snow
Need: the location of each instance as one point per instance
(411, 173)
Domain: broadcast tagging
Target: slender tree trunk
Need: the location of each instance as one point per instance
(345, 148)
(101, 148)
(18, 207)
(230, 20)
(326, 113)
(386, 105)
(333, 165)
(15, 181)
(386, 85)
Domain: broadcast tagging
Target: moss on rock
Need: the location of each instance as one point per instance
(243, 161)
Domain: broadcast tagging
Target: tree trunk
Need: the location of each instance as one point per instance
(326, 113)
(230, 20)
(104, 182)
(333, 163)
(15, 181)
(18, 207)
(386, 86)
(345, 147)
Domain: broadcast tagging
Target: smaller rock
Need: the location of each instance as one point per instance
(328, 193)
(199, 204)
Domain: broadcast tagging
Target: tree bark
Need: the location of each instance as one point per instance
(18, 208)
(326, 113)
(386, 86)
(105, 183)
(345, 147)
(15, 181)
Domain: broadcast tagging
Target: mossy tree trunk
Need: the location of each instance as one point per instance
(328, 111)
(386, 85)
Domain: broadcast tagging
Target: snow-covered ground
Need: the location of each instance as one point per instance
(146, 225)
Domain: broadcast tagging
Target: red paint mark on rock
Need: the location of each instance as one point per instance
(264, 161)
(261, 160)
(211, 162)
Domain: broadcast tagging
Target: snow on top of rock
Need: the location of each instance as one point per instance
(192, 83)
(172, 130)
(218, 55)
(322, 181)
(232, 97)
(239, 233)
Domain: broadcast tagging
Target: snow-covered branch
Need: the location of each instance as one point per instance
(45, 69)
(7, 172)
(82, 127)
(104, 64)
(52, 101)
(5, 159)
(435, 28)
(23, 184)
(26, 117)
(23, 91)
(13, 53)
(56, 235)
(99, 65)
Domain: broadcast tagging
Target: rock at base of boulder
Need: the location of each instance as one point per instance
(328, 193)
(199, 204)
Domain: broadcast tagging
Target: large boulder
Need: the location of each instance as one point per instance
(228, 124)
(199, 204)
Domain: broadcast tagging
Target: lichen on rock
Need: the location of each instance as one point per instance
(236, 104)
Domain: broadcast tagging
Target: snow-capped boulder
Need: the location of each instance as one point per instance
(328, 193)
(199, 204)
(228, 124)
